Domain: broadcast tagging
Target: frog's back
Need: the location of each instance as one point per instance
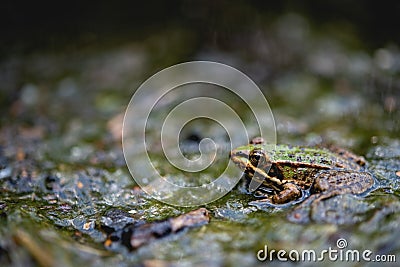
(320, 158)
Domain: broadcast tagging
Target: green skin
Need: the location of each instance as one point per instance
(288, 170)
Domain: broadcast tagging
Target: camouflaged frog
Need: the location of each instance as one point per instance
(286, 173)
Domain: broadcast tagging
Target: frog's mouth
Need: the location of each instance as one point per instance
(258, 176)
(239, 154)
(240, 158)
(240, 162)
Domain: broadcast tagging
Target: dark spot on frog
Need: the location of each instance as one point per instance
(324, 161)
(249, 169)
(272, 172)
(360, 162)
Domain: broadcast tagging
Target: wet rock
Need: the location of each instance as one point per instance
(136, 235)
(343, 209)
(115, 220)
(51, 182)
(4, 257)
(385, 164)
(385, 217)
(3, 208)
(5, 169)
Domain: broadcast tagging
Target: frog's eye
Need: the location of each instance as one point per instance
(255, 156)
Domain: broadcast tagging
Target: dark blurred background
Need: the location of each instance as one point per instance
(339, 58)
(38, 25)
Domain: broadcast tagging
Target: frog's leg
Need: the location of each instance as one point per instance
(342, 182)
(290, 192)
(286, 191)
(337, 182)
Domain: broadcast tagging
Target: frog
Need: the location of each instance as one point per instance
(287, 174)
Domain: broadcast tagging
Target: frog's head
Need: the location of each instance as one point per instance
(249, 157)
(240, 156)
(254, 161)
